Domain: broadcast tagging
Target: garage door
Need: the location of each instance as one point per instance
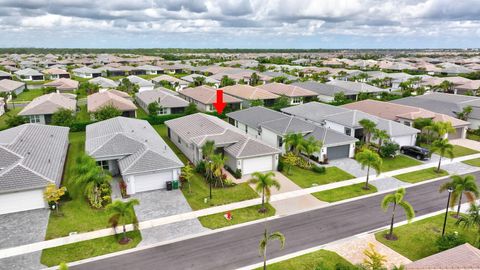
(260, 164)
(21, 201)
(152, 181)
(456, 135)
(337, 152)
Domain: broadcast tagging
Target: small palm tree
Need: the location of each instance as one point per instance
(208, 149)
(462, 186)
(382, 136)
(263, 182)
(187, 174)
(218, 163)
(397, 199)
(311, 146)
(123, 213)
(368, 158)
(471, 219)
(294, 141)
(443, 147)
(368, 127)
(264, 243)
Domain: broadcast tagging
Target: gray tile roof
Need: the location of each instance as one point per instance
(104, 82)
(28, 72)
(164, 98)
(31, 156)
(330, 137)
(464, 257)
(7, 85)
(356, 86)
(49, 104)
(139, 81)
(253, 116)
(323, 88)
(133, 142)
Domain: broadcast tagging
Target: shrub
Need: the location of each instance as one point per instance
(389, 149)
(160, 119)
(304, 164)
(280, 165)
(200, 167)
(80, 126)
(318, 169)
(16, 120)
(450, 240)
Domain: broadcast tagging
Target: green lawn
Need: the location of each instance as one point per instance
(421, 175)
(37, 82)
(141, 113)
(3, 118)
(82, 114)
(417, 240)
(241, 215)
(472, 136)
(322, 260)
(87, 249)
(399, 162)
(308, 178)
(343, 193)
(149, 77)
(460, 151)
(473, 162)
(28, 95)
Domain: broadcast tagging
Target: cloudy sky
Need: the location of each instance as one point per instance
(240, 23)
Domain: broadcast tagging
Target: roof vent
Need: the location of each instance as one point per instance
(28, 153)
(48, 160)
(133, 130)
(146, 140)
(51, 135)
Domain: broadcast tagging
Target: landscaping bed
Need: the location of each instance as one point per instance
(322, 259)
(343, 193)
(417, 240)
(421, 175)
(398, 162)
(241, 215)
(307, 178)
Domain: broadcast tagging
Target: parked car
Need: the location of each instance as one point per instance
(416, 152)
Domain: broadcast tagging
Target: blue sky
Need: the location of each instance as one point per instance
(240, 23)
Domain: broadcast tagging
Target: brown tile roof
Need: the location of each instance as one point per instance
(63, 84)
(287, 90)
(207, 95)
(464, 257)
(114, 98)
(248, 92)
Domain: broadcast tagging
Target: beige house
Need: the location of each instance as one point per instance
(204, 97)
(41, 109)
(249, 93)
(295, 94)
(115, 98)
(63, 85)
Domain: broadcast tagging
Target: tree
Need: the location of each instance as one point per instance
(153, 108)
(63, 117)
(207, 151)
(198, 80)
(127, 86)
(290, 160)
(254, 79)
(446, 86)
(443, 147)
(15, 120)
(462, 186)
(187, 174)
(295, 142)
(263, 182)
(218, 162)
(340, 99)
(52, 194)
(471, 219)
(256, 102)
(311, 146)
(465, 113)
(123, 213)
(380, 135)
(191, 108)
(373, 260)
(281, 102)
(368, 158)
(368, 127)
(265, 241)
(226, 81)
(397, 200)
(107, 112)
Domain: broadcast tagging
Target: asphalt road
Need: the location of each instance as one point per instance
(239, 247)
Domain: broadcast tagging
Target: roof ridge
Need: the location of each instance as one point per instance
(137, 158)
(243, 146)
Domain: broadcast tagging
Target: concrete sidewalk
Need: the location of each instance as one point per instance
(37, 246)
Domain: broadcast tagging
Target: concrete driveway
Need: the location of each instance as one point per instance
(349, 165)
(162, 203)
(467, 143)
(19, 229)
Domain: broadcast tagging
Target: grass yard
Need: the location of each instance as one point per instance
(149, 77)
(417, 240)
(322, 259)
(82, 114)
(472, 136)
(473, 162)
(343, 193)
(421, 175)
(162, 130)
(141, 113)
(399, 162)
(28, 95)
(308, 178)
(87, 249)
(460, 151)
(241, 215)
(3, 118)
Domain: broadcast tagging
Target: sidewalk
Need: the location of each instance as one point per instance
(37, 246)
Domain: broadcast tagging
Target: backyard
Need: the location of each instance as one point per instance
(308, 178)
(343, 193)
(3, 118)
(28, 95)
(421, 175)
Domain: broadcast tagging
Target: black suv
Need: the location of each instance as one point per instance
(416, 152)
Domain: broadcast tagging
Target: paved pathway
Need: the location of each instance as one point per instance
(349, 165)
(352, 250)
(388, 183)
(459, 168)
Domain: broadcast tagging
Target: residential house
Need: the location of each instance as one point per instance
(191, 79)
(271, 127)
(326, 92)
(346, 121)
(464, 257)
(63, 85)
(117, 99)
(249, 93)
(32, 156)
(358, 87)
(2, 106)
(56, 73)
(270, 75)
(177, 84)
(9, 86)
(151, 70)
(408, 114)
(204, 97)
(132, 149)
(169, 103)
(191, 132)
(104, 83)
(144, 85)
(295, 94)
(86, 72)
(41, 109)
(29, 74)
(5, 75)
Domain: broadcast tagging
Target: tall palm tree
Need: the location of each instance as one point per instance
(208, 149)
(382, 136)
(368, 129)
(443, 147)
(446, 86)
(442, 128)
(472, 219)
(187, 174)
(311, 146)
(397, 199)
(263, 183)
(294, 141)
(218, 163)
(462, 186)
(368, 158)
(265, 241)
(123, 213)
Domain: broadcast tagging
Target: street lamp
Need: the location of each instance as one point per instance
(450, 190)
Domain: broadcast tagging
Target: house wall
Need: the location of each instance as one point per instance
(21, 201)
(325, 98)
(39, 119)
(405, 140)
(182, 145)
(336, 127)
(271, 138)
(145, 88)
(150, 181)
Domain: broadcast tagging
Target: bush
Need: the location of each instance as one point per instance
(304, 164)
(16, 120)
(450, 240)
(237, 173)
(200, 167)
(160, 119)
(389, 149)
(318, 169)
(80, 126)
(280, 165)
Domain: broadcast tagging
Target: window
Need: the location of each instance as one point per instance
(348, 131)
(296, 100)
(103, 164)
(162, 111)
(280, 141)
(34, 118)
(407, 123)
(179, 140)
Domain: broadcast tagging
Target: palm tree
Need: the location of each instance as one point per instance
(294, 141)
(442, 128)
(208, 149)
(311, 146)
(443, 147)
(368, 158)
(263, 182)
(368, 128)
(462, 186)
(123, 213)
(264, 243)
(446, 86)
(465, 113)
(397, 199)
(187, 174)
(472, 219)
(382, 136)
(198, 80)
(218, 163)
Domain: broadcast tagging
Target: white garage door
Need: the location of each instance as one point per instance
(260, 164)
(152, 181)
(404, 140)
(21, 201)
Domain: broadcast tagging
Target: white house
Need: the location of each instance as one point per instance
(86, 72)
